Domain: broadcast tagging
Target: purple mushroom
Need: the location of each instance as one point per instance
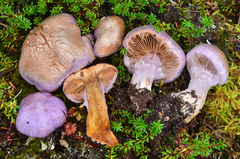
(152, 56)
(207, 66)
(40, 114)
(52, 51)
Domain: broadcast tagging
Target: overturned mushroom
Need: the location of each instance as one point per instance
(89, 85)
(40, 114)
(152, 56)
(207, 66)
(109, 36)
(52, 51)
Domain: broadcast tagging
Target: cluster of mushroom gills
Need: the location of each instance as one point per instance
(89, 85)
(207, 66)
(152, 56)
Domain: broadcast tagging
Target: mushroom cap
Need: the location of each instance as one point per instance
(40, 114)
(109, 36)
(52, 51)
(74, 85)
(88, 39)
(146, 44)
(211, 59)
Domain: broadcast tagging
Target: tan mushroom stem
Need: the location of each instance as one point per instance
(98, 125)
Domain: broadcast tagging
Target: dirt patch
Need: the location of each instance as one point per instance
(167, 109)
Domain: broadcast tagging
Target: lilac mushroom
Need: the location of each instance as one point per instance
(152, 56)
(52, 51)
(89, 85)
(40, 114)
(207, 66)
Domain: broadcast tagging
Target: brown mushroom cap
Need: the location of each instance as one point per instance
(52, 51)
(89, 85)
(152, 56)
(109, 36)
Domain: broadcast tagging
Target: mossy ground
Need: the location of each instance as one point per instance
(182, 20)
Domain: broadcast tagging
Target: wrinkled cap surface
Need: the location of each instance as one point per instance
(40, 114)
(75, 85)
(51, 52)
(156, 49)
(211, 59)
(109, 36)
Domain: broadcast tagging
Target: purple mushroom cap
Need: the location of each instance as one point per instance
(40, 114)
(152, 56)
(217, 64)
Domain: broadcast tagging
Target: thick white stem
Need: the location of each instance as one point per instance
(195, 95)
(145, 72)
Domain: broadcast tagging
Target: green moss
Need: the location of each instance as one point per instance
(223, 104)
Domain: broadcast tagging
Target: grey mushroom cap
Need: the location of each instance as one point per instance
(210, 58)
(52, 51)
(154, 52)
(40, 114)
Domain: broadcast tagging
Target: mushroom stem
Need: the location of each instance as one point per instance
(98, 125)
(196, 93)
(145, 71)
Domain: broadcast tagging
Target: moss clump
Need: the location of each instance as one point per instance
(223, 104)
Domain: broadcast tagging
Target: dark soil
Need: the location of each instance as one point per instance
(166, 108)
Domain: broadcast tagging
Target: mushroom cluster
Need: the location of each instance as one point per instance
(51, 52)
(55, 53)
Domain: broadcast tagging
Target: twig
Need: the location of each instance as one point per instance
(4, 72)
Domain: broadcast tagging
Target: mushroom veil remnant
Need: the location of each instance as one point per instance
(40, 114)
(109, 36)
(207, 66)
(152, 56)
(52, 51)
(89, 85)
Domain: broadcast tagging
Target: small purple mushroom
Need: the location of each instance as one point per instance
(40, 114)
(52, 51)
(207, 66)
(152, 56)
